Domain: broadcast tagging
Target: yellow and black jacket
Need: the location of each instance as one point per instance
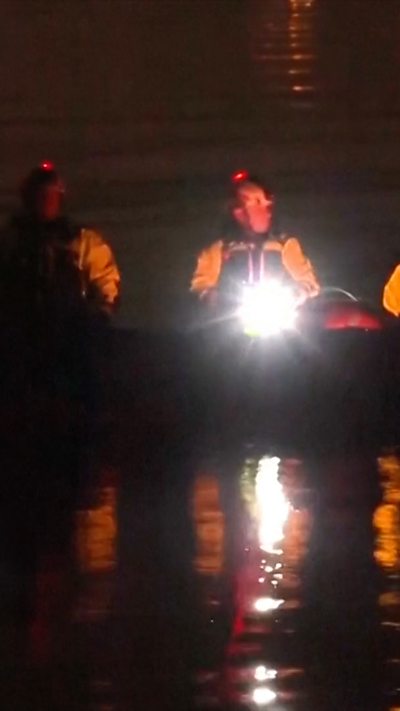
(275, 254)
(57, 267)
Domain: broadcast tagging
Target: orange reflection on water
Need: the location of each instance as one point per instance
(97, 532)
(298, 88)
(387, 515)
(283, 38)
(301, 57)
(209, 525)
(301, 38)
(299, 71)
(301, 4)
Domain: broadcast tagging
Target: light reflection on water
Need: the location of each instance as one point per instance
(295, 531)
(209, 525)
(284, 51)
(387, 555)
(96, 533)
(387, 515)
(287, 595)
(266, 583)
(96, 550)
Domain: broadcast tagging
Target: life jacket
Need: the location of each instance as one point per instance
(52, 259)
(251, 262)
(44, 278)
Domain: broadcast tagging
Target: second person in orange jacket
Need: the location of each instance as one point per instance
(247, 250)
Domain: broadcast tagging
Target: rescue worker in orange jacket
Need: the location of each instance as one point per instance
(248, 250)
(50, 263)
(391, 292)
(59, 283)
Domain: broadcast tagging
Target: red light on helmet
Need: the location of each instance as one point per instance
(47, 165)
(240, 176)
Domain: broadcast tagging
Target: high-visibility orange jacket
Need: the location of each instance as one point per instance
(58, 263)
(297, 265)
(391, 292)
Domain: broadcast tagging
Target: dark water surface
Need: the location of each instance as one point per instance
(208, 543)
(196, 546)
(182, 576)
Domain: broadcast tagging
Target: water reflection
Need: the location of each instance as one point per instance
(308, 624)
(96, 550)
(387, 515)
(287, 598)
(284, 48)
(268, 596)
(209, 524)
(97, 531)
(259, 663)
(95, 547)
(387, 555)
(324, 56)
(272, 505)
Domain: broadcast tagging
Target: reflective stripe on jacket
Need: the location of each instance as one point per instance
(210, 264)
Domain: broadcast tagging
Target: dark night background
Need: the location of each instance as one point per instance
(148, 105)
(204, 524)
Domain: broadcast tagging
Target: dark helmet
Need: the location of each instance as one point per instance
(43, 175)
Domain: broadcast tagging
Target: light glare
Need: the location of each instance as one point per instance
(267, 604)
(263, 696)
(267, 308)
(273, 507)
(261, 673)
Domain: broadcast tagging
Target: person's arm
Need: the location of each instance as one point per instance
(391, 293)
(299, 267)
(208, 268)
(101, 271)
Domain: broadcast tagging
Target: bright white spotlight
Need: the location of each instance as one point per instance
(267, 308)
(263, 696)
(267, 604)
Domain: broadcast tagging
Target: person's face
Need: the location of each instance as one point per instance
(254, 209)
(48, 202)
